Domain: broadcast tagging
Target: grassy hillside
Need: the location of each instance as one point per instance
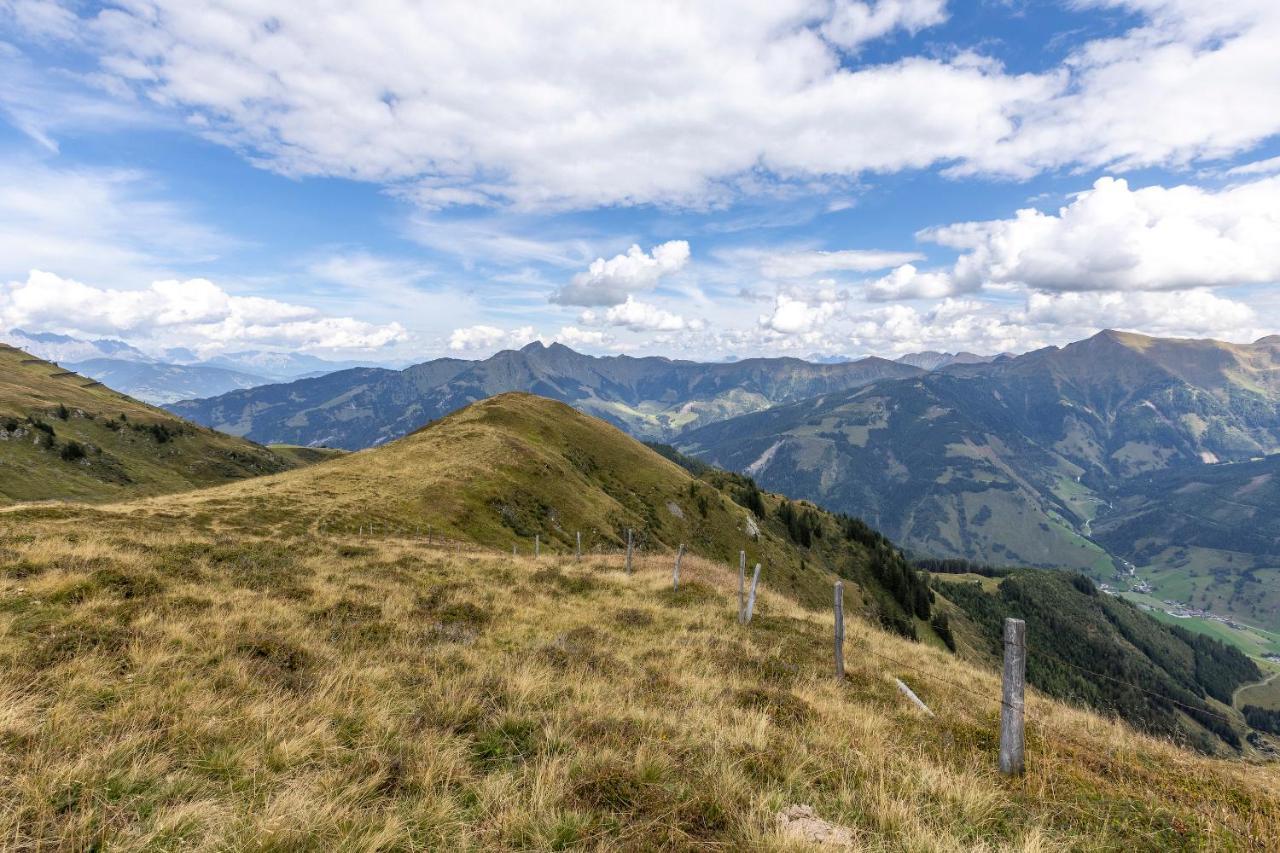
(516, 466)
(169, 686)
(66, 437)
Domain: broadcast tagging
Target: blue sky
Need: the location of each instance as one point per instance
(820, 179)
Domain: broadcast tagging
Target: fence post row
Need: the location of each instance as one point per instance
(628, 550)
(675, 576)
(839, 629)
(1013, 697)
(751, 599)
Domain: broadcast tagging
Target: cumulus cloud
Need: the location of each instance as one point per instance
(611, 282)
(640, 317)
(1115, 238)
(791, 316)
(196, 313)
(790, 265)
(572, 336)
(1189, 313)
(907, 282)
(854, 22)
(482, 337)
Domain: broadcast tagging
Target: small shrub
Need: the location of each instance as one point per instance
(73, 451)
(61, 412)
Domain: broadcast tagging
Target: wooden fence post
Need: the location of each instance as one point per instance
(1013, 698)
(675, 577)
(742, 586)
(579, 544)
(513, 549)
(537, 546)
(628, 550)
(839, 628)
(751, 599)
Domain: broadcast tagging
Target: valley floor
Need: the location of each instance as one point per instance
(170, 686)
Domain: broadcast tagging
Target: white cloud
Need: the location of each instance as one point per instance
(1197, 80)
(784, 265)
(562, 104)
(572, 336)
(854, 22)
(195, 313)
(488, 338)
(1193, 313)
(581, 105)
(907, 282)
(640, 317)
(610, 282)
(1115, 238)
(791, 316)
(1269, 166)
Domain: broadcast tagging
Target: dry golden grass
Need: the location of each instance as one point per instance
(184, 689)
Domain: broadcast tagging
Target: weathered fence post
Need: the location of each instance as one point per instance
(1013, 698)
(675, 577)
(628, 550)
(839, 610)
(751, 599)
(537, 546)
(742, 586)
(911, 694)
(513, 549)
(579, 544)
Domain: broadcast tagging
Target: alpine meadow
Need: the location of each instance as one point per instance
(640, 426)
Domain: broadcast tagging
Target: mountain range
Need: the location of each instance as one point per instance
(1035, 459)
(652, 398)
(177, 374)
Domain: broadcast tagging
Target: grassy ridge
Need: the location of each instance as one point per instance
(66, 437)
(169, 686)
(516, 466)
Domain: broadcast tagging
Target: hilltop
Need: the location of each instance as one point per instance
(242, 663)
(516, 466)
(66, 437)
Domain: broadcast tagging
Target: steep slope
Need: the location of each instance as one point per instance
(158, 383)
(1093, 648)
(649, 397)
(221, 672)
(66, 437)
(516, 466)
(1011, 462)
